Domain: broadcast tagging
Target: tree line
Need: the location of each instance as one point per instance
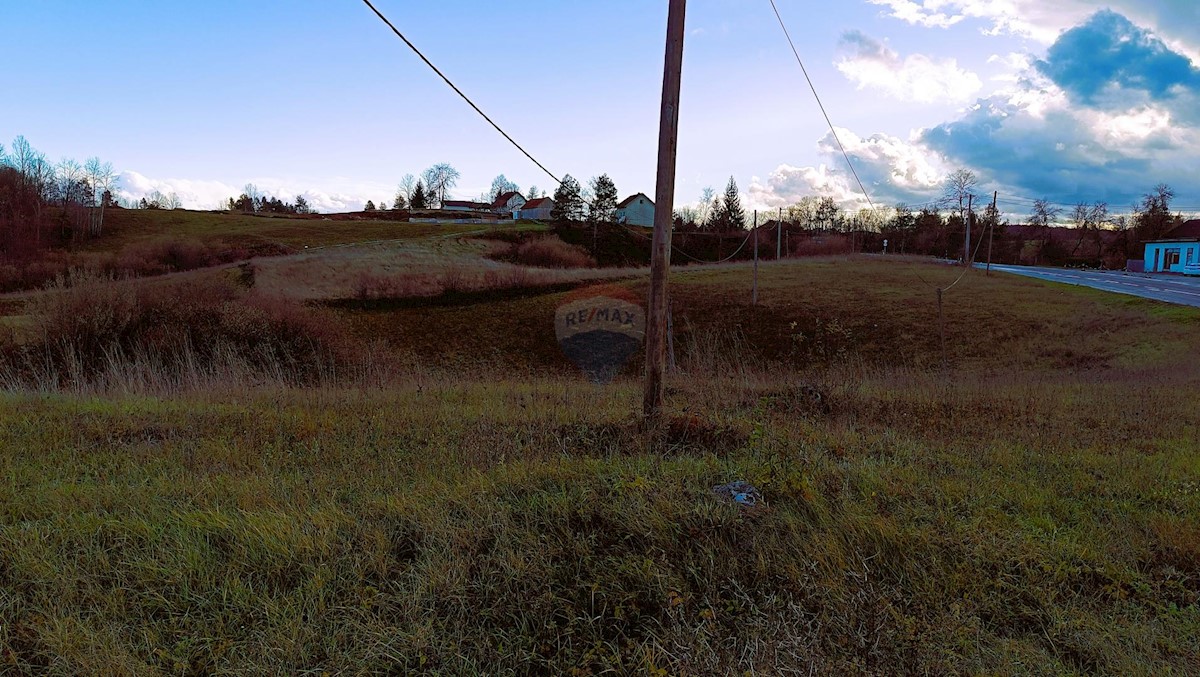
(45, 204)
(1086, 234)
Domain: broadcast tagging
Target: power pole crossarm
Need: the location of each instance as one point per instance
(664, 198)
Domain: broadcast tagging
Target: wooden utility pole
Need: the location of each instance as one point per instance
(779, 236)
(992, 229)
(967, 241)
(754, 231)
(664, 198)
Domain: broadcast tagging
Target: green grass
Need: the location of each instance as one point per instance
(1032, 509)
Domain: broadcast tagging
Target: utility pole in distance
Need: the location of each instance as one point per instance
(779, 236)
(995, 216)
(754, 295)
(664, 198)
(967, 241)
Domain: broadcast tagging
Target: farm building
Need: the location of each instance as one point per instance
(465, 206)
(1177, 251)
(508, 204)
(538, 210)
(636, 210)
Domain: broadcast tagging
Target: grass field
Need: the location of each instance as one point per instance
(146, 243)
(457, 500)
(131, 226)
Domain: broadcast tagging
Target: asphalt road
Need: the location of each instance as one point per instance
(1170, 288)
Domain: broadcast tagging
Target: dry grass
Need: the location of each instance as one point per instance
(1031, 510)
(550, 252)
(92, 331)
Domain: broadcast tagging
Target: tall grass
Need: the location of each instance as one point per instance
(89, 330)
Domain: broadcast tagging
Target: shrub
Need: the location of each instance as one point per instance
(89, 326)
(551, 252)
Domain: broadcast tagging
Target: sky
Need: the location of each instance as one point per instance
(1070, 101)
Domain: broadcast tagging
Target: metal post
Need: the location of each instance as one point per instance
(664, 198)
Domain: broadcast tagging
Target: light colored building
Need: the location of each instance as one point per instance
(538, 210)
(636, 210)
(509, 204)
(1177, 252)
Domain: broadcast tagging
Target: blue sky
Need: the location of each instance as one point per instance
(1072, 100)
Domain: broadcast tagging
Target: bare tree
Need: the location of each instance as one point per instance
(1043, 215)
(102, 179)
(405, 189)
(533, 193)
(1088, 220)
(439, 179)
(501, 185)
(959, 187)
(706, 203)
(22, 156)
(688, 215)
(70, 178)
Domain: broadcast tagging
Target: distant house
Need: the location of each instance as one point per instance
(1177, 252)
(538, 210)
(465, 206)
(508, 204)
(636, 210)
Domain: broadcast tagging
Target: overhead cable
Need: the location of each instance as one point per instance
(413, 47)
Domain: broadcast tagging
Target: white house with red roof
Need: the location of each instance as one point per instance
(509, 204)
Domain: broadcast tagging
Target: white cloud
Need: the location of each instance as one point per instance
(201, 194)
(892, 170)
(1044, 20)
(914, 78)
(921, 14)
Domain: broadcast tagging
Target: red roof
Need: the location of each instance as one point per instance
(505, 197)
(536, 204)
(627, 201)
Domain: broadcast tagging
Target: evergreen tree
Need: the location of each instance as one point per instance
(419, 201)
(733, 217)
(568, 201)
(603, 208)
(399, 202)
(301, 205)
(370, 206)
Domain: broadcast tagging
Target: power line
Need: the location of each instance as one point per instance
(679, 251)
(413, 47)
(821, 105)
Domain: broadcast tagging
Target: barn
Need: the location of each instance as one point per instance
(538, 209)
